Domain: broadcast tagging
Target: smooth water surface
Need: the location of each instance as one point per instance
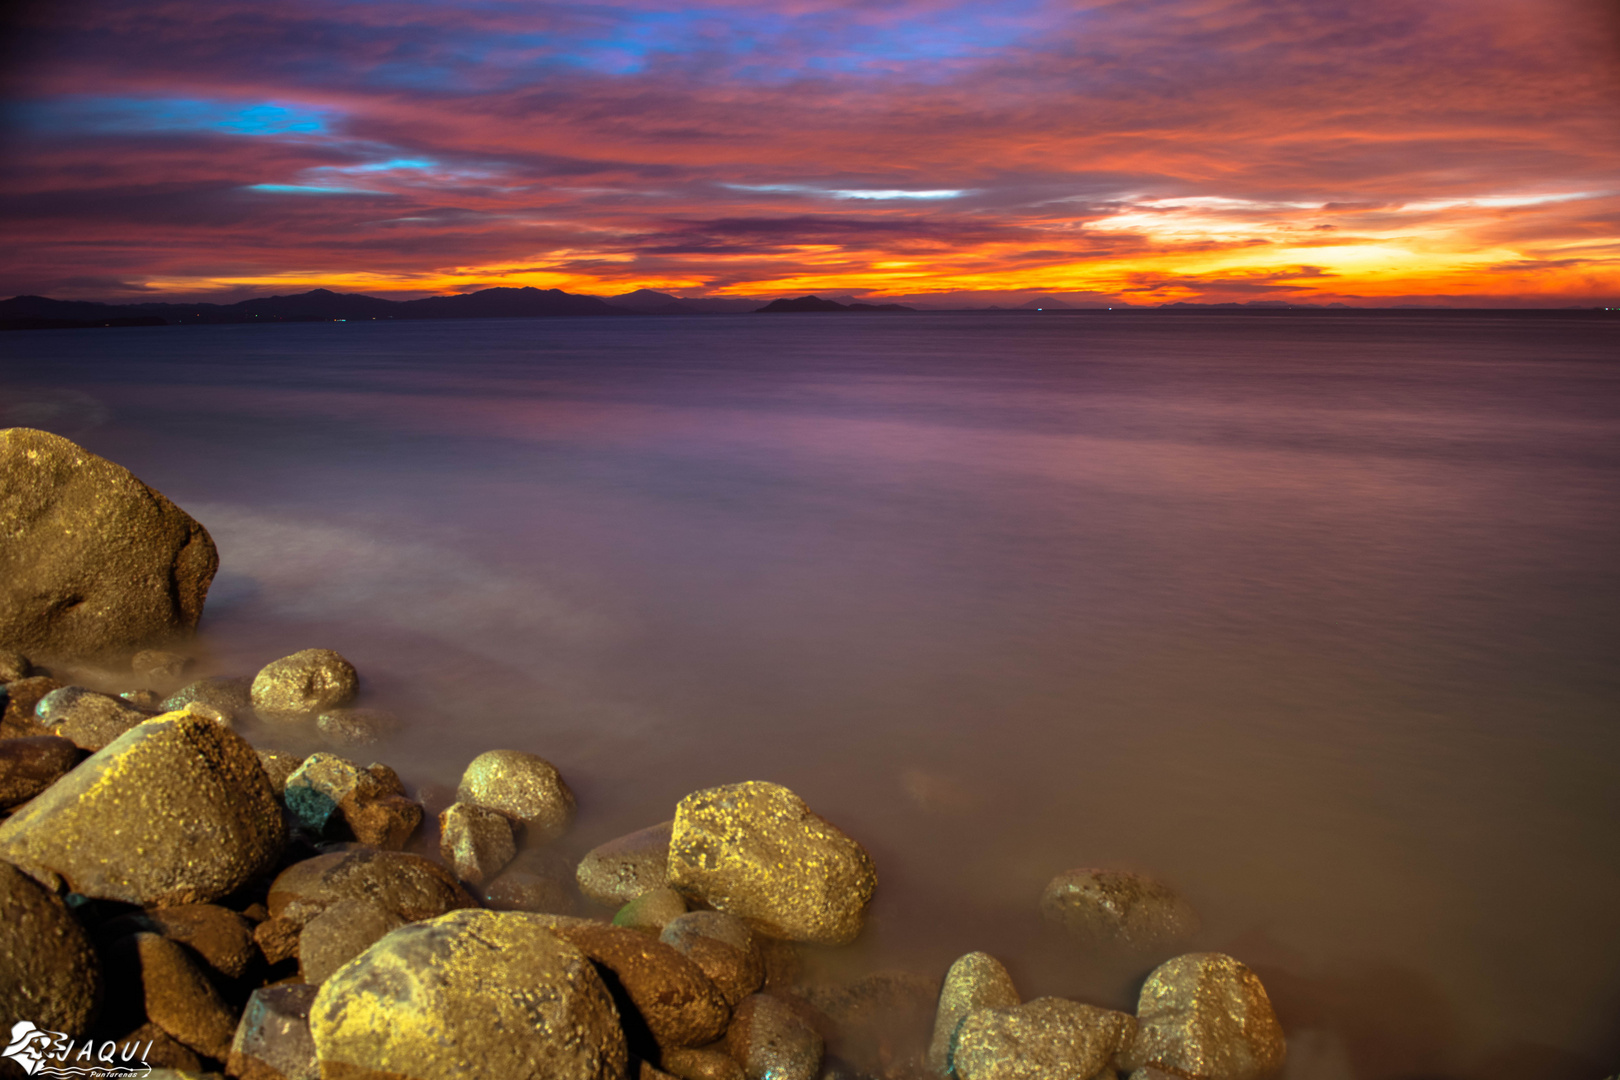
(1315, 616)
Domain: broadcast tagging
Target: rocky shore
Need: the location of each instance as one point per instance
(175, 899)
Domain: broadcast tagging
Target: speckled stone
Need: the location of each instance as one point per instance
(757, 851)
(386, 822)
(279, 767)
(650, 911)
(30, 765)
(1045, 1039)
(95, 563)
(272, 1040)
(319, 789)
(386, 778)
(723, 946)
(469, 994)
(697, 1064)
(49, 973)
(1119, 909)
(771, 1041)
(230, 696)
(340, 933)
(85, 718)
(1207, 1017)
(476, 842)
(175, 811)
(672, 996)
(521, 786)
(308, 681)
(620, 870)
(22, 695)
(976, 981)
(179, 998)
(409, 886)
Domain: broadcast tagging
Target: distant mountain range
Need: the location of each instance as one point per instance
(323, 305)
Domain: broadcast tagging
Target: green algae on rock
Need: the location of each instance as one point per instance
(757, 851)
(471, 994)
(176, 810)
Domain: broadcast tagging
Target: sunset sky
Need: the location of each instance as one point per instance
(1120, 151)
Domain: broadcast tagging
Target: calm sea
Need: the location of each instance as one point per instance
(1316, 617)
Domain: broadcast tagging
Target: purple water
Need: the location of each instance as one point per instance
(1315, 616)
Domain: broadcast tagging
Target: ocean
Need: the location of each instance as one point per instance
(1314, 615)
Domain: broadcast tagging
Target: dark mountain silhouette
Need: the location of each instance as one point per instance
(816, 303)
(657, 303)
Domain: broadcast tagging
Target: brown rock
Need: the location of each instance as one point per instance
(177, 810)
(1041, 1040)
(95, 562)
(348, 728)
(305, 682)
(85, 718)
(317, 792)
(976, 981)
(277, 938)
(22, 695)
(477, 842)
(723, 946)
(409, 886)
(1206, 1016)
(651, 910)
(521, 786)
(279, 767)
(757, 851)
(179, 998)
(340, 933)
(672, 996)
(387, 779)
(1118, 909)
(272, 1040)
(771, 1041)
(229, 696)
(386, 822)
(469, 994)
(30, 765)
(620, 870)
(163, 1052)
(784, 964)
(221, 937)
(701, 1065)
(48, 970)
(14, 666)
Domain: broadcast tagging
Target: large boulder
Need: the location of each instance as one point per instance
(48, 971)
(469, 995)
(757, 851)
(1045, 1039)
(1207, 1017)
(1119, 910)
(976, 981)
(93, 562)
(176, 810)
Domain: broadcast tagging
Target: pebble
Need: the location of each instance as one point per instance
(178, 996)
(521, 786)
(690, 1064)
(620, 870)
(469, 994)
(159, 666)
(228, 695)
(21, 697)
(409, 886)
(350, 728)
(220, 937)
(757, 851)
(279, 767)
(1207, 1016)
(14, 666)
(309, 681)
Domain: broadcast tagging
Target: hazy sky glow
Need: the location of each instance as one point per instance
(1140, 151)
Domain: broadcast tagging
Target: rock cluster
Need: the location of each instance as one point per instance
(244, 910)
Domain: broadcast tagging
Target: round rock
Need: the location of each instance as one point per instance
(85, 718)
(1045, 1039)
(307, 681)
(622, 869)
(771, 1041)
(757, 851)
(1206, 1015)
(723, 946)
(521, 786)
(471, 993)
(1118, 909)
(95, 562)
(176, 810)
(976, 981)
(229, 696)
(48, 970)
